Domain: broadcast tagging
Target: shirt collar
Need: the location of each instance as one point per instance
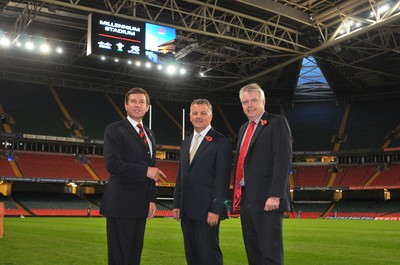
(134, 123)
(257, 121)
(204, 132)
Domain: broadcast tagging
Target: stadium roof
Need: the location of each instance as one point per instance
(355, 43)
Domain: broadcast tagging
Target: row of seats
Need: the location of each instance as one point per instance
(347, 176)
(58, 204)
(346, 208)
(67, 166)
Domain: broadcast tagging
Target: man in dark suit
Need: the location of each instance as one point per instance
(202, 186)
(130, 195)
(262, 166)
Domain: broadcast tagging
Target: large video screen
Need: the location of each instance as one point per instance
(128, 39)
(159, 40)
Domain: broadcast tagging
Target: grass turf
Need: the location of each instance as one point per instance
(42, 241)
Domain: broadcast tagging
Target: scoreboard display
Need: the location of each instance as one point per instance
(128, 39)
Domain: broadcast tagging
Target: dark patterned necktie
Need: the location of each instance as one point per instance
(142, 134)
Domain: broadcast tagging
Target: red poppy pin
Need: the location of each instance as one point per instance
(208, 138)
(263, 122)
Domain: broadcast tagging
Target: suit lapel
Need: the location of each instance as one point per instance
(153, 141)
(186, 150)
(241, 135)
(260, 127)
(206, 141)
(132, 131)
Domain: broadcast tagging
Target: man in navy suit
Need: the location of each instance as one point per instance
(202, 186)
(130, 195)
(261, 190)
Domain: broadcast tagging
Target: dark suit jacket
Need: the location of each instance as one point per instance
(203, 185)
(129, 191)
(267, 163)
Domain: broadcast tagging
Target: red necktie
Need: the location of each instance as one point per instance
(142, 134)
(239, 167)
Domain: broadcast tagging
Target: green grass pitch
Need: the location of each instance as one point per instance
(59, 241)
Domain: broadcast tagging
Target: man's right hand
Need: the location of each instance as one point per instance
(154, 173)
(176, 213)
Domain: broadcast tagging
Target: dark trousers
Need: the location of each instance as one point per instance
(125, 240)
(262, 235)
(201, 242)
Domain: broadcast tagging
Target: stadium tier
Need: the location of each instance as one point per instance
(5, 167)
(347, 144)
(366, 125)
(70, 167)
(54, 204)
(354, 175)
(58, 166)
(311, 176)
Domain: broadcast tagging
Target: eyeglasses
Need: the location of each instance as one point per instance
(252, 101)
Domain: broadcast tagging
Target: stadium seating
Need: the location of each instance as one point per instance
(313, 126)
(55, 204)
(11, 209)
(309, 209)
(5, 168)
(28, 104)
(365, 208)
(388, 177)
(170, 168)
(45, 165)
(99, 167)
(354, 175)
(91, 110)
(369, 123)
(311, 176)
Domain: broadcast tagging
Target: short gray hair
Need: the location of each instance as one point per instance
(253, 87)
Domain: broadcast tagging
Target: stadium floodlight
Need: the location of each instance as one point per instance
(148, 65)
(5, 42)
(384, 8)
(44, 48)
(171, 69)
(182, 71)
(29, 45)
(159, 67)
(59, 50)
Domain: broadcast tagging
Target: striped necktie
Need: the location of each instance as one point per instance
(142, 134)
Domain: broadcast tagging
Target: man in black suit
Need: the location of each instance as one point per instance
(130, 195)
(262, 165)
(202, 186)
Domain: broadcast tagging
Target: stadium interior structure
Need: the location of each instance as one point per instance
(346, 129)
